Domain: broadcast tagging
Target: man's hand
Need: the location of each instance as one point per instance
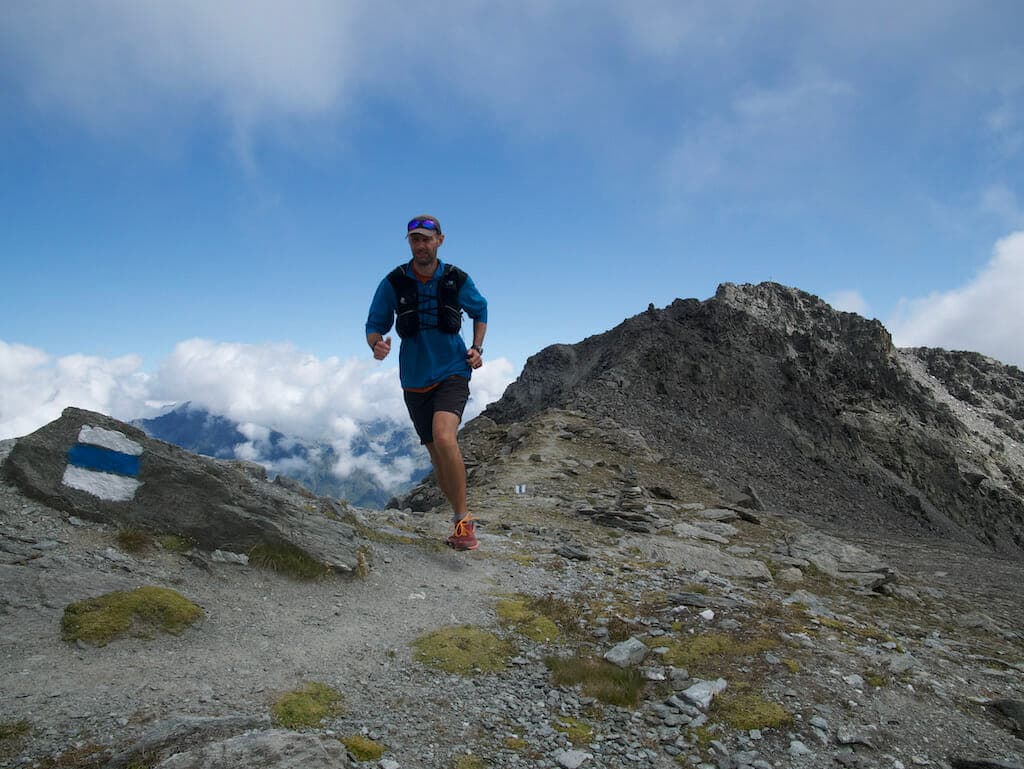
(381, 348)
(473, 358)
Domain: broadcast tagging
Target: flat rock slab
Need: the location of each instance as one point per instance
(689, 531)
(836, 558)
(693, 557)
(571, 759)
(275, 749)
(181, 732)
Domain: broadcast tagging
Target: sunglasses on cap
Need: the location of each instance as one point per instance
(426, 224)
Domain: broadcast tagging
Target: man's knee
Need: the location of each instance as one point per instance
(446, 427)
(445, 441)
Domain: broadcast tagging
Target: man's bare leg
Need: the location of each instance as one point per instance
(449, 467)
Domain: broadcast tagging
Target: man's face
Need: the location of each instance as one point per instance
(424, 248)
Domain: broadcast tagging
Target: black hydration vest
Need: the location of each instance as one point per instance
(448, 309)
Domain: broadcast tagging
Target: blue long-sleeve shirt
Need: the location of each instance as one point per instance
(430, 356)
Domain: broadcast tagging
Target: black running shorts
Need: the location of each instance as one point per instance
(451, 395)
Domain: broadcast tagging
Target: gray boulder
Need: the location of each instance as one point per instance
(702, 692)
(629, 653)
(97, 468)
(180, 731)
(275, 749)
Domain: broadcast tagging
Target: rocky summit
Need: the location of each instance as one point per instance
(702, 586)
(769, 386)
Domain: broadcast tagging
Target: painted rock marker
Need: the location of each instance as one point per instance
(104, 463)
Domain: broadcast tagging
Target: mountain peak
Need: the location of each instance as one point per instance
(768, 385)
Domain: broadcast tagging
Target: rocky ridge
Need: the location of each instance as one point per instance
(770, 386)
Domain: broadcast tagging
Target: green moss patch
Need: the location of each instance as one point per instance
(749, 711)
(172, 543)
(306, 707)
(463, 649)
(706, 652)
(579, 732)
(363, 748)
(516, 614)
(286, 558)
(98, 620)
(598, 679)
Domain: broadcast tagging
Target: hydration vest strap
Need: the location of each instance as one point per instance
(449, 312)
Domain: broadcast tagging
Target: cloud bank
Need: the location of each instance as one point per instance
(35, 387)
(985, 315)
(849, 301)
(261, 387)
(531, 64)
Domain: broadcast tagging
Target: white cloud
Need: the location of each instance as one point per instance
(279, 386)
(488, 384)
(109, 61)
(261, 387)
(35, 388)
(763, 136)
(1000, 201)
(254, 432)
(986, 315)
(529, 65)
(849, 301)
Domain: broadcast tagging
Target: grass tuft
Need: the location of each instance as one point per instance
(87, 756)
(306, 707)
(12, 730)
(172, 543)
(12, 737)
(363, 748)
(748, 711)
(286, 558)
(134, 540)
(598, 679)
(706, 652)
(98, 620)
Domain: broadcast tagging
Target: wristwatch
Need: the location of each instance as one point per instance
(478, 348)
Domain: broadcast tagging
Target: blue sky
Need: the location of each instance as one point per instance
(198, 199)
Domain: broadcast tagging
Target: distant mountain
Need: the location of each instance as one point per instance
(385, 458)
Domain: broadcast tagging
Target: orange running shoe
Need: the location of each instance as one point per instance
(464, 537)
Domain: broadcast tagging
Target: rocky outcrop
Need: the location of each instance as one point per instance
(769, 386)
(97, 468)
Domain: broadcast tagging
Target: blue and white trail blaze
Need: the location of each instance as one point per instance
(104, 463)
